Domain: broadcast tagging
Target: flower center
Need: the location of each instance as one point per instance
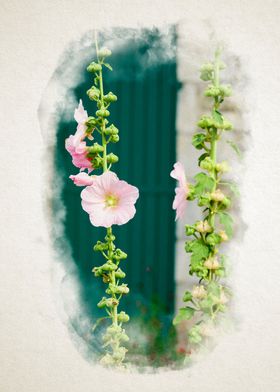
(111, 201)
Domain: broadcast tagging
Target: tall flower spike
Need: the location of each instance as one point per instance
(108, 201)
(208, 300)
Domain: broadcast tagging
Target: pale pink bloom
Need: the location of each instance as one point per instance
(180, 200)
(82, 179)
(75, 145)
(81, 116)
(109, 201)
(78, 151)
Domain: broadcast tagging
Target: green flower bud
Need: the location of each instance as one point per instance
(203, 227)
(109, 266)
(115, 138)
(114, 329)
(110, 97)
(222, 167)
(119, 274)
(94, 67)
(207, 164)
(223, 235)
(123, 317)
(97, 271)
(104, 52)
(93, 93)
(187, 296)
(225, 90)
(213, 239)
(191, 192)
(211, 263)
(122, 289)
(91, 122)
(102, 113)
(110, 302)
(119, 254)
(95, 148)
(220, 272)
(110, 237)
(226, 202)
(217, 195)
(199, 292)
(189, 230)
(119, 354)
(206, 72)
(212, 91)
(100, 246)
(227, 125)
(102, 303)
(206, 122)
(123, 337)
(204, 200)
(107, 360)
(112, 158)
(111, 130)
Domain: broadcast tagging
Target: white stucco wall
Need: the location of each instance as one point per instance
(36, 351)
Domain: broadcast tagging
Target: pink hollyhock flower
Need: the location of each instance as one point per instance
(109, 201)
(82, 179)
(180, 200)
(78, 151)
(75, 145)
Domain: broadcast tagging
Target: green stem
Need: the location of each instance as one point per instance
(113, 277)
(213, 143)
(114, 312)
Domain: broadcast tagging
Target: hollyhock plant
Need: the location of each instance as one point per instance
(82, 179)
(182, 191)
(109, 201)
(206, 303)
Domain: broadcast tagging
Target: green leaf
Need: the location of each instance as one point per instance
(108, 66)
(217, 116)
(199, 251)
(227, 221)
(198, 140)
(204, 183)
(183, 314)
(187, 296)
(235, 147)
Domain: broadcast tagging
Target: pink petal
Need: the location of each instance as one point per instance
(80, 114)
(179, 173)
(82, 179)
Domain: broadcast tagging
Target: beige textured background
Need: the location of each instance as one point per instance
(36, 351)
